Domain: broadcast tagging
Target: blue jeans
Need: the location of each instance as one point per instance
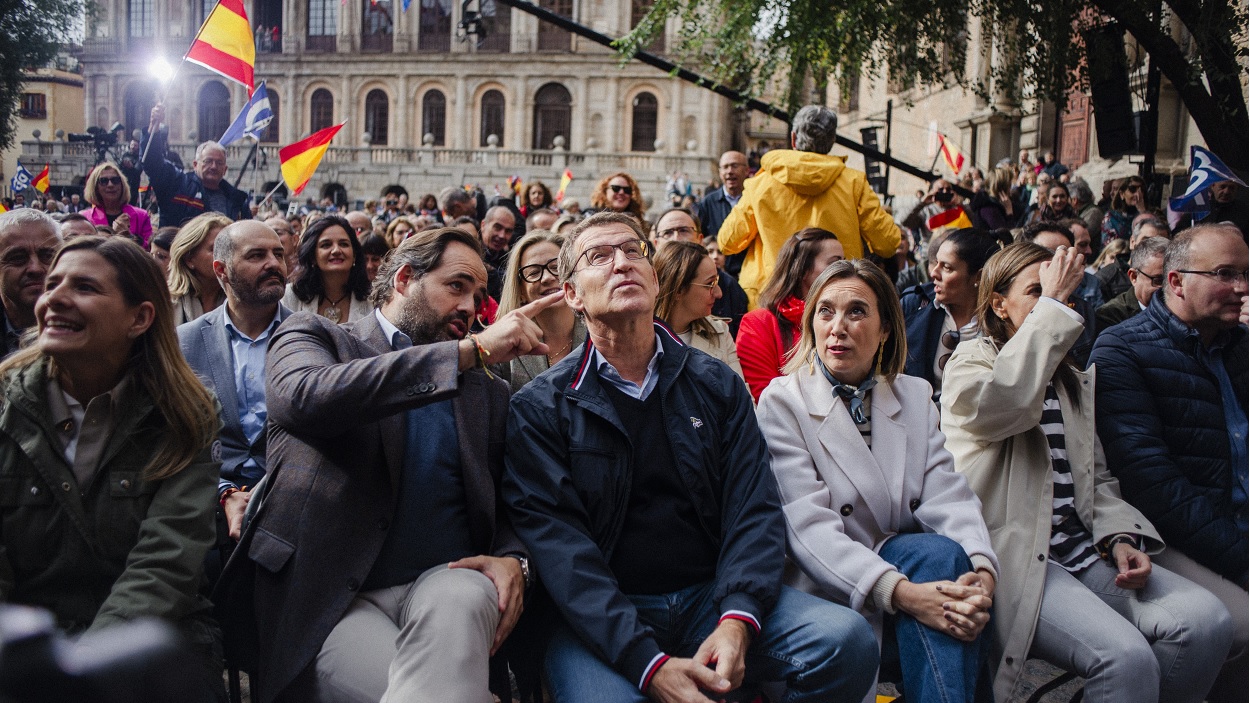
(820, 651)
(937, 668)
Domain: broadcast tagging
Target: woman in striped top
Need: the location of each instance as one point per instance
(1077, 587)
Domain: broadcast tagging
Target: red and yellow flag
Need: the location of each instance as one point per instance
(565, 179)
(301, 159)
(951, 154)
(951, 218)
(225, 44)
(41, 181)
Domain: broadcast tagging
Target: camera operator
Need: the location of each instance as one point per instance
(181, 195)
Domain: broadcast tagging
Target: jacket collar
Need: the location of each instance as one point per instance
(584, 386)
(1185, 338)
(818, 394)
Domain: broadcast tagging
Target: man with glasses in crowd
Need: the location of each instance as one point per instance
(679, 225)
(716, 205)
(28, 242)
(640, 482)
(181, 195)
(1171, 412)
(1145, 272)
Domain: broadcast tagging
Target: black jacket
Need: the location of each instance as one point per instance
(568, 480)
(712, 211)
(1161, 421)
(180, 194)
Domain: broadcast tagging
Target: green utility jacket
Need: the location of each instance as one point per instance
(120, 547)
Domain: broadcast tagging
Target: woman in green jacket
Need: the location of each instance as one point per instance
(107, 485)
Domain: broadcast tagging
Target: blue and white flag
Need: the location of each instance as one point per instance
(252, 119)
(22, 179)
(1205, 169)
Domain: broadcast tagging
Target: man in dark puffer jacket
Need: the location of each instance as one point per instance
(1171, 412)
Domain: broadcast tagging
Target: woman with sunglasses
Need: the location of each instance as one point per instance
(942, 313)
(1078, 589)
(618, 193)
(689, 287)
(768, 333)
(1125, 205)
(109, 195)
(531, 274)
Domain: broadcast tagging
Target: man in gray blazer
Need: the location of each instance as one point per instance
(385, 568)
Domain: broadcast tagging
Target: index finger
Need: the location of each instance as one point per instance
(536, 306)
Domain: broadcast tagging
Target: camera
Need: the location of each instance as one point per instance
(944, 196)
(104, 141)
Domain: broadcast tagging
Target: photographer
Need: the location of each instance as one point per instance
(940, 198)
(181, 195)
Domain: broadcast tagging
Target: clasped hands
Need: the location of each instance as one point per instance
(718, 667)
(959, 608)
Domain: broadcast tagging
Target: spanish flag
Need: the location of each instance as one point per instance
(41, 180)
(224, 44)
(951, 154)
(300, 160)
(565, 179)
(951, 218)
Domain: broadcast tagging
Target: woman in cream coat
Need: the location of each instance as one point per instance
(877, 518)
(1081, 595)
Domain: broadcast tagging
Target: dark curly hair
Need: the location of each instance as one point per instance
(308, 286)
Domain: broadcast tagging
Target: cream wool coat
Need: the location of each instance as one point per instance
(991, 414)
(721, 346)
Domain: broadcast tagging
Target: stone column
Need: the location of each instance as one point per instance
(399, 108)
(581, 108)
(675, 144)
(612, 127)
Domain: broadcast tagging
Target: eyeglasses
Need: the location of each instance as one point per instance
(627, 190)
(534, 272)
(709, 286)
(1156, 281)
(605, 254)
(1226, 275)
(110, 181)
(674, 232)
(949, 340)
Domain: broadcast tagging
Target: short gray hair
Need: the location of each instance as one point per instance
(1080, 191)
(568, 251)
(1146, 250)
(24, 217)
(1177, 255)
(1148, 222)
(210, 144)
(452, 195)
(815, 128)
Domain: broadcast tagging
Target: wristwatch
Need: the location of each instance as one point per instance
(525, 569)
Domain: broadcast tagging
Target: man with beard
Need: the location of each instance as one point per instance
(28, 241)
(383, 566)
(226, 349)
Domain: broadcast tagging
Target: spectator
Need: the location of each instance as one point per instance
(1057, 206)
(332, 280)
(1114, 276)
(679, 224)
(938, 211)
(674, 586)
(993, 206)
(769, 332)
(226, 349)
(109, 195)
(429, 207)
(1052, 235)
(537, 197)
(1082, 240)
(28, 243)
(101, 408)
(1086, 209)
(713, 250)
(1078, 587)
(290, 243)
(398, 230)
(879, 531)
(386, 424)
(456, 202)
(1228, 204)
(542, 218)
(192, 283)
(75, 225)
(532, 274)
(804, 187)
(618, 192)
(393, 200)
(1145, 273)
(1125, 205)
(717, 204)
(182, 195)
(689, 288)
(1051, 166)
(1172, 414)
(161, 242)
(497, 229)
(362, 222)
(374, 248)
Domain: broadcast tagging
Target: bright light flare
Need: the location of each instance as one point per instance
(160, 69)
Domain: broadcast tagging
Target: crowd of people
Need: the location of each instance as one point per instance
(770, 445)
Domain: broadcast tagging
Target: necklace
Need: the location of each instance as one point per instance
(332, 313)
(566, 348)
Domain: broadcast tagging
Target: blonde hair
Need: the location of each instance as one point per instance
(91, 188)
(893, 352)
(155, 357)
(189, 238)
(513, 296)
(1108, 254)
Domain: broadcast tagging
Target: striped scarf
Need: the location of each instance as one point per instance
(1071, 544)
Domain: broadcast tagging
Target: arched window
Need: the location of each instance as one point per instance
(434, 117)
(141, 18)
(214, 111)
(642, 136)
(321, 108)
(139, 98)
(377, 117)
(270, 134)
(323, 18)
(492, 116)
(376, 26)
(553, 111)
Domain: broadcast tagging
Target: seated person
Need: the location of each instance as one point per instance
(639, 481)
(689, 290)
(877, 517)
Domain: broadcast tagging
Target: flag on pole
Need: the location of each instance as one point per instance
(3, 209)
(1205, 169)
(252, 119)
(41, 181)
(300, 160)
(21, 180)
(565, 179)
(952, 218)
(225, 44)
(951, 154)
(515, 184)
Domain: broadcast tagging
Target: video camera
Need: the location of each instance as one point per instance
(105, 141)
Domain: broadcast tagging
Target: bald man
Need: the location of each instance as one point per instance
(715, 206)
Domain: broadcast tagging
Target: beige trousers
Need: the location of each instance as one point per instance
(422, 642)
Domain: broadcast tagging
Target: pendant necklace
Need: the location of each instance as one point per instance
(332, 314)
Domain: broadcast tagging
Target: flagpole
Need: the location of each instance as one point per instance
(247, 162)
(275, 190)
(170, 81)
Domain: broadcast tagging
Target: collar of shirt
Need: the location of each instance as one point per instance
(236, 333)
(398, 339)
(608, 372)
(67, 413)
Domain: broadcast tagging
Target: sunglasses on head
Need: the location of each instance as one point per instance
(627, 190)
